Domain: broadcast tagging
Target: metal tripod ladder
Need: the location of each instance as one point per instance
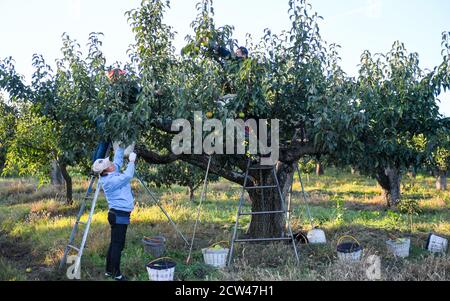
(284, 211)
(93, 202)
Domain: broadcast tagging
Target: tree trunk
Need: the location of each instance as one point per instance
(273, 225)
(191, 193)
(441, 180)
(57, 178)
(68, 180)
(320, 170)
(389, 180)
(192, 188)
(412, 173)
(2, 159)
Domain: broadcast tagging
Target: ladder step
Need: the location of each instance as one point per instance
(263, 212)
(261, 167)
(81, 223)
(73, 248)
(261, 187)
(264, 239)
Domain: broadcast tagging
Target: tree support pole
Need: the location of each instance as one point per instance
(205, 187)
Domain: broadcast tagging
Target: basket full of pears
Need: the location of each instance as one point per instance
(216, 255)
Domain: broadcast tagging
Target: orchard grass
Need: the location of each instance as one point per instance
(35, 224)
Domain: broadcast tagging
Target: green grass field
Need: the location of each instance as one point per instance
(35, 225)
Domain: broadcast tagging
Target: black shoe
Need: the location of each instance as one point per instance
(108, 275)
(121, 278)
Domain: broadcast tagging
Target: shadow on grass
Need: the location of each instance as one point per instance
(46, 243)
(26, 261)
(261, 256)
(358, 194)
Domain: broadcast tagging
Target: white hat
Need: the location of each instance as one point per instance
(100, 165)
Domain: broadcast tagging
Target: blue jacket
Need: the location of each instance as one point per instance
(117, 186)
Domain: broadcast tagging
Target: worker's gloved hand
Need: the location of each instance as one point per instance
(129, 149)
(133, 157)
(116, 145)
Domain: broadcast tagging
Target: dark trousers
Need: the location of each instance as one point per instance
(118, 236)
(101, 151)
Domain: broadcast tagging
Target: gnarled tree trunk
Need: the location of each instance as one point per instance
(389, 180)
(441, 180)
(273, 225)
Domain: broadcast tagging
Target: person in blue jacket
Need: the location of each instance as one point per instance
(117, 189)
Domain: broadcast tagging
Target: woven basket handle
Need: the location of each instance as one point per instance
(160, 259)
(154, 239)
(302, 235)
(217, 243)
(348, 236)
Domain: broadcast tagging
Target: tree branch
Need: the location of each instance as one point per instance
(288, 155)
(295, 152)
(154, 158)
(164, 125)
(200, 161)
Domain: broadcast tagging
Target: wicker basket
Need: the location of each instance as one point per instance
(349, 251)
(216, 257)
(155, 246)
(437, 244)
(162, 269)
(317, 237)
(400, 247)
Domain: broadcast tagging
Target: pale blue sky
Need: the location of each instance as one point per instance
(36, 26)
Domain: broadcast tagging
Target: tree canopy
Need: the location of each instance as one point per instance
(379, 122)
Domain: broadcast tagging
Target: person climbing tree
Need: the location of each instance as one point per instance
(221, 53)
(129, 92)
